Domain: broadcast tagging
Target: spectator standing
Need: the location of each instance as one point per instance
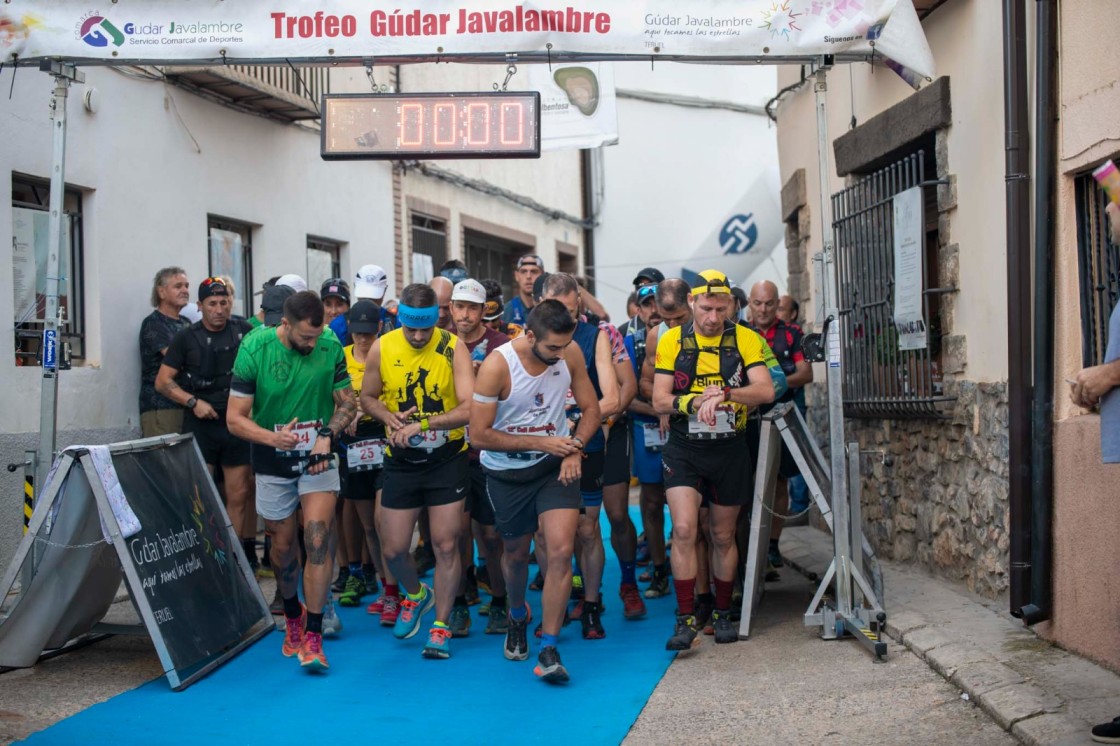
(171, 291)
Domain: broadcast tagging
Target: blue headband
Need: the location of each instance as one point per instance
(418, 318)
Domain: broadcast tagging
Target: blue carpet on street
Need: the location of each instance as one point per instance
(379, 687)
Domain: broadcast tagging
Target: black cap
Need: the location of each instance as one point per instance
(538, 286)
(272, 303)
(740, 295)
(649, 274)
(336, 288)
(364, 317)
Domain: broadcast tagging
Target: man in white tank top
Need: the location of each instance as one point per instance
(533, 466)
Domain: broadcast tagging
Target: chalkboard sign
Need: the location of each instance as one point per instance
(187, 563)
(150, 509)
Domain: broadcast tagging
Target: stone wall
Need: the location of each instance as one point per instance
(939, 498)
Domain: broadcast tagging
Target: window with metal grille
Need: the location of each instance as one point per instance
(429, 237)
(322, 261)
(880, 379)
(1098, 263)
(231, 255)
(30, 211)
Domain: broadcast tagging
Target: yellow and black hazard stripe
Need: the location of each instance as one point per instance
(28, 500)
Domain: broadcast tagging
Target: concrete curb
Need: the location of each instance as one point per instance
(968, 644)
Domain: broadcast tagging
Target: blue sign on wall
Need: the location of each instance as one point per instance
(50, 349)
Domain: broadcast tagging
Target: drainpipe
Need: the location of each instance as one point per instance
(1017, 179)
(588, 187)
(1042, 423)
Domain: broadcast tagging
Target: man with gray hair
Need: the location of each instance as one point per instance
(171, 292)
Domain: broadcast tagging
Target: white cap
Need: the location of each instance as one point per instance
(295, 282)
(470, 291)
(371, 282)
(191, 312)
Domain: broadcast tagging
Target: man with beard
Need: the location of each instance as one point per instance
(418, 383)
(533, 465)
(291, 399)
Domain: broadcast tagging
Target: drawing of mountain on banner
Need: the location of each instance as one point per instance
(745, 236)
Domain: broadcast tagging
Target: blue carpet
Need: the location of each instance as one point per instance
(380, 687)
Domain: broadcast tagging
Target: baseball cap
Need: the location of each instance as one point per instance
(211, 286)
(470, 291)
(712, 281)
(531, 260)
(272, 303)
(740, 295)
(649, 274)
(364, 317)
(455, 274)
(538, 285)
(493, 309)
(295, 282)
(371, 282)
(335, 287)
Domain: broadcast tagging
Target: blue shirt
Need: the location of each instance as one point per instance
(516, 312)
(1110, 402)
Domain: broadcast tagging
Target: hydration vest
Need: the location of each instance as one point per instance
(731, 368)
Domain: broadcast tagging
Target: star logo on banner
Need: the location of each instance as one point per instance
(780, 19)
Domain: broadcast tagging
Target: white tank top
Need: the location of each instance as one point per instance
(535, 406)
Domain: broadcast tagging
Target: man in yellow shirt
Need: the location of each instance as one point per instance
(418, 383)
(708, 374)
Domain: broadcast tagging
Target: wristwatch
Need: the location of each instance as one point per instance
(580, 440)
(326, 432)
(191, 402)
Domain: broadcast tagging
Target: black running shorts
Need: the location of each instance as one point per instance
(409, 486)
(218, 445)
(616, 470)
(723, 466)
(519, 496)
(787, 467)
(478, 503)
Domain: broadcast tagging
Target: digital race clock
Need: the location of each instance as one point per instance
(431, 125)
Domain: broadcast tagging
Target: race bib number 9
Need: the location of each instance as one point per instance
(307, 432)
(724, 426)
(365, 455)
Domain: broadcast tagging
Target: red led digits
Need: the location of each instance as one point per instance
(412, 125)
(513, 125)
(443, 130)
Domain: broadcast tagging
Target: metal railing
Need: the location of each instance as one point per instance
(1098, 264)
(879, 379)
(304, 82)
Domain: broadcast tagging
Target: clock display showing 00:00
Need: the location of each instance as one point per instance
(463, 124)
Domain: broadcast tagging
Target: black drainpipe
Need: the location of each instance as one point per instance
(1017, 178)
(588, 185)
(1042, 426)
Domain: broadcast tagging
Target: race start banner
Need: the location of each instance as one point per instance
(355, 31)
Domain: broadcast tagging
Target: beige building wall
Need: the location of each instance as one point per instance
(1086, 579)
(552, 181)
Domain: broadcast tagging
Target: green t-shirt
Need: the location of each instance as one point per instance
(287, 385)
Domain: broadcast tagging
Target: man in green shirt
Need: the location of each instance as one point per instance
(291, 398)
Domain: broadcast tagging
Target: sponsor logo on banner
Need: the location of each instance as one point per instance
(739, 234)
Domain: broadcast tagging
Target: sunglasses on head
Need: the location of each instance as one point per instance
(646, 292)
(213, 281)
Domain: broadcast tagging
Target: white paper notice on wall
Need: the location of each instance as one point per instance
(834, 345)
(909, 320)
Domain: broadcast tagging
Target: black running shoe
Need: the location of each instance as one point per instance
(658, 584)
(684, 636)
(590, 621)
(517, 639)
(339, 585)
(549, 667)
(724, 631)
(703, 615)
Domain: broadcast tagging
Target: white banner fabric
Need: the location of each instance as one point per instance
(577, 105)
(194, 31)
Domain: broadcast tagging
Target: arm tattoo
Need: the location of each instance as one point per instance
(345, 409)
(317, 540)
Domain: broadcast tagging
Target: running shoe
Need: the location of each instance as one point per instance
(1106, 732)
(277, 605)
(484, 608)
(633, 607)
(377, 606)
(537, 630)
(538, 582)
(724, 632)
(460, 621)
(353, 592)
(424, 560)
(645, 575)
(575, 612)
(775, 556)
(517, 641)
(339, 584)
(369, 573)
(704, 616)
(641, 557)
(590, 621)
(482, 575)
(684, 636)
(439, 643)
(498, 622)
(549, 668)
(264, 571)
(412, 612)
(471, 588)
(390, 611)
(293, 634)
(577, 587)
(658, 585)
(332, 625)
(311, 654)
